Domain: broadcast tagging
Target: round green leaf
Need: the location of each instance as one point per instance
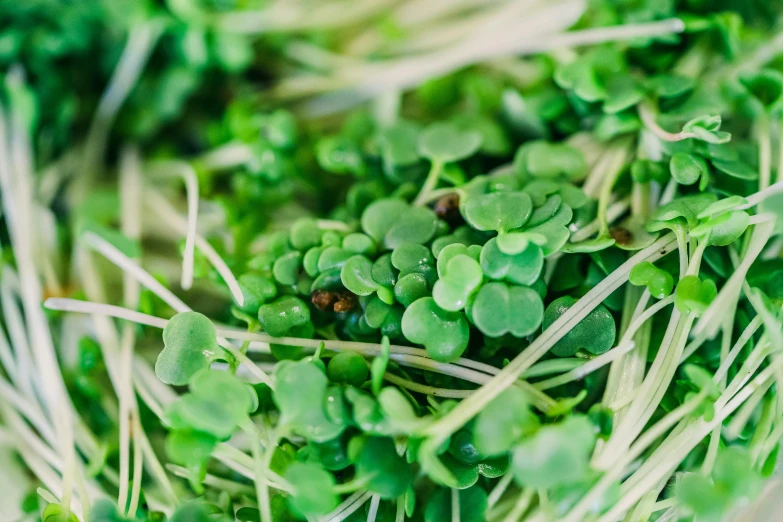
(282, 316)
(447, 143)
(257, 290)
(356, 275)
(499, 211)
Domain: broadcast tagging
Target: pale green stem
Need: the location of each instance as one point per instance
(430, 183)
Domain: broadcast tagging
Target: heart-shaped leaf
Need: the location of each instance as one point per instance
(461, 278)
(190, 345)
(595, 333)
(392, 222)
(444, 334)
(499, 309)
(659, 282)
(447, 143)
(455, 249)
(694, 295)
(523, 268)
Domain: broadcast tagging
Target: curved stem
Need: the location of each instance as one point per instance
(429, 183)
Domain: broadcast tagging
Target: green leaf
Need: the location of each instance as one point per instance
(706, 128)
(340, 155)
(723, 229)
(687, 168)
(347, 368)
(499, 309)
(503, 422)
(444, 334)
(392, 222)
(694, 295)
(736, 169)
(659, 282)
(312, 493)
(300, 394)
(376, 460)
(398, 145)
(499, 211)
(542, 159)
(447, 143)
(399, 412)
(192, 450)
(257, 290)
(218, 402)
(556, 454)
(687, 207)
(286, 268)
(523, 268)
(190, 345)
(410, 257)
(455, 249)
(595, 333)
(460, 279)
(411, 287)
(281, 317)
(765, 87)
(670, 85)
(305, 234)
(356, 275)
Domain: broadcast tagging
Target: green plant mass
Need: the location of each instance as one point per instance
(391, 260)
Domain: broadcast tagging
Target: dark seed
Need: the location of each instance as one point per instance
(622, 236)
(323, 299)
(447, 207)
(345, 301)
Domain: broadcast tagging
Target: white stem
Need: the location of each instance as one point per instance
(188, 175)
(159, 204)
